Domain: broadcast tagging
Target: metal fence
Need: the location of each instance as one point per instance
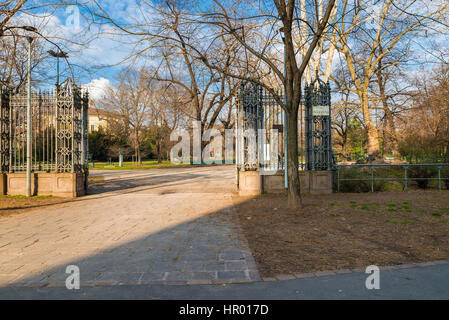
(59, 130)
(405, 179)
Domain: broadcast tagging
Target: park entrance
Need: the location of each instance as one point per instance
(59, 141)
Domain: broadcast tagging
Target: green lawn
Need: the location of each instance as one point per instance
(132, 165)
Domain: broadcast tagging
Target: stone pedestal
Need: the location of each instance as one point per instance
(250, 183)
(274, 183)
(17, 184)
(320, 182)
(304, 181)
(66, 185)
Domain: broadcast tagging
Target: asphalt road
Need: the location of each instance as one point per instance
(430, 282)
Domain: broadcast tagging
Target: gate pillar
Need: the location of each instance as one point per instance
(318, 126)
(318, 117)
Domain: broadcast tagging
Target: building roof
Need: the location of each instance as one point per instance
(101, 113)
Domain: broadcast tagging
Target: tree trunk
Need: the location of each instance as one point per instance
(159, 151)
(140, 155)
(391, 141)
(294, 195)
(390, 145)
(136, 153)
(373, 140)
(137, 148)
(371, 130)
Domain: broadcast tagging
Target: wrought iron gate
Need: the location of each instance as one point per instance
(59, 130)
(318, 126)
(258, 109)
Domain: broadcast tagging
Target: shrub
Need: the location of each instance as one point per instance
(360, 186)
(445, 174)
(421, 173)
(354, 186)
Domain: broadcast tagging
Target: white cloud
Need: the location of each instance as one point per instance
(98, 88)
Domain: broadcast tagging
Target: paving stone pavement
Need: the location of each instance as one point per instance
(146, 227)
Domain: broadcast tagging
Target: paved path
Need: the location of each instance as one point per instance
(141, 227)
(416, 283)
(217, 179)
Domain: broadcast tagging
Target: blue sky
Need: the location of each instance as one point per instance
(94, 51)
(97, 60)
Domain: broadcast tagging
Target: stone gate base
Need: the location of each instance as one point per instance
(66, 185)
(250, 183)
(312, 182)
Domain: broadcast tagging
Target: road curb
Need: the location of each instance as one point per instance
(283, 277)
(321, 274)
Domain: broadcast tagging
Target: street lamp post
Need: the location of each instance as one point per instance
(57, 55)
(285, 114)
(29, 121)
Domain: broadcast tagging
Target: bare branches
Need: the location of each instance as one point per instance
(9, 9)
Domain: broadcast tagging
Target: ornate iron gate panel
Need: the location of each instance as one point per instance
(4, 130)
(273, 139)
(249, 121)
(256, 149)
(318, 126)
(59, 130)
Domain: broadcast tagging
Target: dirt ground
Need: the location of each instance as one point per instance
(345, 231)
(16, 205)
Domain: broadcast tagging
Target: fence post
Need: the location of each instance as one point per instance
(439, 177)
(372, 178)
(56, 147)
(405, 178)
(338, 179)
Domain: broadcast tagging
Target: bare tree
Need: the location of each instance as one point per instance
(209, 90)
(366, 38)
(162, 33)
(388, 92)
(167, 112)
(343, 115)
(13, 60)
(425, 133)
(7, 10)
(131, 99)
